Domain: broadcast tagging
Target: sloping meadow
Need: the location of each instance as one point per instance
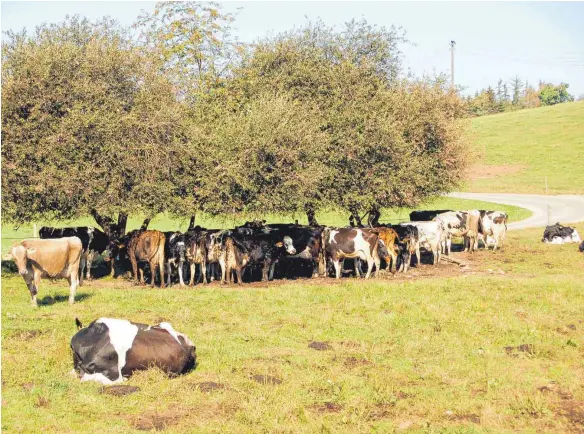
(498, 348)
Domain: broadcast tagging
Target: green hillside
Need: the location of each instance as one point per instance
(519, 149)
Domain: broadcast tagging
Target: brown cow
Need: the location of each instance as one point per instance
(390, 238)
(53, 258)
(147, 246)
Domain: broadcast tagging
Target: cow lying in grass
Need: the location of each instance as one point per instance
(109, 350)
(558, 234)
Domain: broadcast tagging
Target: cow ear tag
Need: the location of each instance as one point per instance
(279, 244)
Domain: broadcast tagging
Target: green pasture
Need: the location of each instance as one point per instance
(10, 233)
(497, 348)
(520, 149)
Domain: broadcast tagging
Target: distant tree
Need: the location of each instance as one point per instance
(530, 97)
(550, 94)
(88, 127)
(505, 93)
(195, 42)
(516, 85)
(500, 91)
(580, 97)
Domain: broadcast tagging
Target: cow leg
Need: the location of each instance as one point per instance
(337, 264)
(377, 263)
(168, 270)
(265, 268)
(222, 265)
(357, 265)
(369, 267)
(135, 270)
(153, 267)
(32, 283)
(272, 269)
(193, 268)
(204, 271)
(180, 273)
(113, 269)
(73, 279)
(418, 256)
(90, 256)
(142, 281)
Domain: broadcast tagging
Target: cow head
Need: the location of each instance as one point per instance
(116, 248)
(20, 255)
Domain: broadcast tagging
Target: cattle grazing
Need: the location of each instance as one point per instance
(175, 254)
(93, 241)
(430, 236)
(494, 228)
(341, 243)
(110, 350)
(53, 258)
(558, 234)
(426, 215)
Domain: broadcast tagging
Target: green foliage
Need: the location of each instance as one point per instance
(87, 123)
(550, 94)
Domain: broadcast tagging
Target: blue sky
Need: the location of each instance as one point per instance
(534, 40)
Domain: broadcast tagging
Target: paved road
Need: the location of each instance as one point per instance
(564, 209)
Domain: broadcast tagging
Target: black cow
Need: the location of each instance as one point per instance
(426, 215)
(409, 239)
(581, 247)
(92, 239)
(175, 254)
(558, 234)
(110, 349)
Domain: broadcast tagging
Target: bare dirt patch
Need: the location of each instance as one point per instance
(483, 171)
(573, 411)
(27, 334)
(523, 348)
(154, 421)
(380, 411)
(320, 346)
(326, 407)
(473, 418)
(28, 386)
(41, 402)
(210, 386)
(266, 380)
(119, 390)
(353, 362)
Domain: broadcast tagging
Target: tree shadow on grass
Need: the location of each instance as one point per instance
(48, 300)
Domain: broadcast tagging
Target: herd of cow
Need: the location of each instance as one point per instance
(110, 350)
(219, 254)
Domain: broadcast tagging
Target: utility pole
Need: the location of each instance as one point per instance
(452, 44)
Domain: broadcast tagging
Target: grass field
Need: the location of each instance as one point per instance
(521, 148)
(164, 223)
(495, 347)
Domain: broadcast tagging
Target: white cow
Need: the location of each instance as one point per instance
(430, 236)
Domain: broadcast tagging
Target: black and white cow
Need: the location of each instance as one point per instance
(175, 255)
(408, 241)
(558, 234)
(341, 243)
(93, 240)
(430, 236)
(110, 350)
(455, 224)
(493, 228)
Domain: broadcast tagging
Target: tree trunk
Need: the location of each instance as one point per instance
(373, 219)
(106, 223)
(145, 224)
(355, 218)
(311, 215)
(122, 222)
(191, 223)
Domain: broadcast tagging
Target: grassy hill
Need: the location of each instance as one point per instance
(520, 149)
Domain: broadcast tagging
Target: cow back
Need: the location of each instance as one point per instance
(54, 256)
(145, 245)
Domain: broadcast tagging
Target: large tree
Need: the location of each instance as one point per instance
(389, 142)
(89, 126)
